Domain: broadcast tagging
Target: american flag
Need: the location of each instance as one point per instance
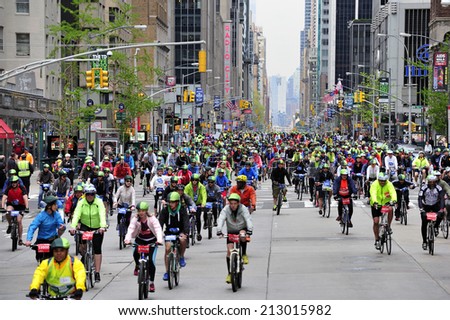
(230, 105)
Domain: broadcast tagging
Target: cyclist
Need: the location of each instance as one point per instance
(222, 180)
(11, 173)
(197, 192)
(71, 203)
(106, 163)
(176, 220)
(101, 184)
(420, 163)
(391, 165)
(382, 192)
(435, 159)
(431, 199)
(250, 173)
(15, 198)
(49, 223)
(64, 274)
(86, 171)
(90, 213)
(121, 170)
(278, 175)
(61, 186)
(159, 181)
(125, 197)
(145, 228)
(68, 166)
(299, 170)
(343, 187)
(399, 185)
(214, 195)
(445, 160)
(313, 170)
(44, 177)
(173, 186)
(186, 200)
(238, 221)
(324, 177)
(246, 193)
(184, 175)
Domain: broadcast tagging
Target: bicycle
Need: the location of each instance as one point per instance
(143, 274)
(43, 250)
(159, 193)
(122, 211)
(326, 188)
(444, 226)
(403, 207)
(300, 187)
(236, 262)
(88, 257)
(359, 184)
(173, 258)
(385, 230)
(14, 228)
(209, 218)
(144, 182)
(192, 227)
(345, 219)
(431, 218)
(281, 187)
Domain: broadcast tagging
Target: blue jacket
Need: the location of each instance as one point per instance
(337, 184)
(130, 161)
(222, 181)
(251, 174)
(48, 225)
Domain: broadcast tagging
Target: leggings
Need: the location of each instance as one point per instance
(152, 257)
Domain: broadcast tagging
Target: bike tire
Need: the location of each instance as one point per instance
(382, 240)
(234, 271)
(328, 209)
(177, 269)
(444, 228)
(14, 237)
(171, 281)
(209, 224)
(302, 186)
(430, 239)
(193, 233)
(89, 270)
(279, 203)
(388, 243)
(141, 281)
(121, 238)
(239, 275)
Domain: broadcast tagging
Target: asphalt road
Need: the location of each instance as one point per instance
(297, 255)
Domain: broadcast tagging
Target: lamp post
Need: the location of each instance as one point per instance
(138, 26)
(409, 83)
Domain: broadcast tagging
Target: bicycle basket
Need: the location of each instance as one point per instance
(235, 238)
(143, 249)
(385, 209)
(431, 216)
(87, 235)
(345, 200)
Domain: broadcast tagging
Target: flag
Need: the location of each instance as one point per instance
(230, 105)
(327, 98)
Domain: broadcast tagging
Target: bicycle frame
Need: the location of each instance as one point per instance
(173, 258)
(236, 262)
(431, 218)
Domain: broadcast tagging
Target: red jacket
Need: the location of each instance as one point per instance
(122, 170)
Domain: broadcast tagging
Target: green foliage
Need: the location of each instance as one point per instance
(259, 111)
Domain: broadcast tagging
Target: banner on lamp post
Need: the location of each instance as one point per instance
(440, 72)
(384, 90)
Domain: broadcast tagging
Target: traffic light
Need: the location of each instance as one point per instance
(362, 96)
(104, 79)
(202, 61)
(340, 104)
(90, 79)
(192, 96)
(356, 97)
(185, 96)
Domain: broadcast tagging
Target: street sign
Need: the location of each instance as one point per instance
(216, 103)
(198, 96)
(90, 102)
(121, 106)
(120, 115)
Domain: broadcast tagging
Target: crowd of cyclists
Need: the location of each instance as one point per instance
(225, 171)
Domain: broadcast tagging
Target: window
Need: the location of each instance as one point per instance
(22, 44)
(1, 38)
(23, 6)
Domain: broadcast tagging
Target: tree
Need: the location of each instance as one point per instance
(259, 111)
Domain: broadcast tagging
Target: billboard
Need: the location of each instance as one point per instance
(440, 72)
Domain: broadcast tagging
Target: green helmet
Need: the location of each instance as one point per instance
(401, 177)
(195, 176)
(14, 179)
(60, 243)
(50, 200)
(382, 177)
(78, 187)
(211, 179)
(174, 179)
(130, 178)
(184, 167)
(174, 196)
(45, 165)
(235, 197)
(326, 165)
(143, 205)
(101, 174)
(12, 172)
(62, 173)
(343, 171)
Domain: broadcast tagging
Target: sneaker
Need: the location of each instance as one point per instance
(350, 224)
(97, 277)
(320, 212)
(228, 278)
(424, 246)
(284, 199)
(199, 237)
(151, 287)
(397, 219)
(436, 232)
(245, 259)
(274, 208)
(20, 242)
(311, 199)
(136, 271)
(215, 223)
(166, 277)
(377, 245)
(205, 226)
(8, 231)
(182, 262)
(338, 218)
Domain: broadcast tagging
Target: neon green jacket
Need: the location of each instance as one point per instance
(382, 195)
(91, 215)
(420, 163)
(200, 197)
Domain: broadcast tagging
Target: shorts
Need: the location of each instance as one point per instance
(17, 207)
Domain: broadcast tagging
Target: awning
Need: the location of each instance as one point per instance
(5, 131)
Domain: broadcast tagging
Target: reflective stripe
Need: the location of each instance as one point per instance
(24, 168)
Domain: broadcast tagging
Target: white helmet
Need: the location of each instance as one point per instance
(90, 189)
(67, 155)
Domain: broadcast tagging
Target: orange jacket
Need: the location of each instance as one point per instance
(248, 195)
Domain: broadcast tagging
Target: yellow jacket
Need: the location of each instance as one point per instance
(382, 194)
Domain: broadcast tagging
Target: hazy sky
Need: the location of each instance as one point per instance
(282, 21)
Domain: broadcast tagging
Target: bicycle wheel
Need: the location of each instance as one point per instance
(430, 238)
(388, 243)
(14, 236)
(444, 227)
(382, 238)
(404, 213)
(171, 260)
(121, 233)
(239, 275)
(328, 208)
(209, 224)
(301, 189)
(89, 271)
(193, 231)
(141, 281)
(234, 271)
(279, 203)
(344, 222)
(177, 268)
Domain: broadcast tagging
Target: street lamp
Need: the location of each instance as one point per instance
(409, 83)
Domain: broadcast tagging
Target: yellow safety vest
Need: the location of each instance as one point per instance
(24, 169)
(61, 281)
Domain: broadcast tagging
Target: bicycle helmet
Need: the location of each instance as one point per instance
(78, 188)
(211, 179)
(129, 178)
(382, 177)
(106, 169)
(184, 167)
(401, 177)
(174, 179)
(343, 171)
(220, 170)
(196, 177)
(143, 205)
(436, 173)
(60, 243)
(281, 162)
(62, 173)
(235, 197)
(181, 187)
(14, 179)
(49, 200)
(90, 189)
(45, 166)
(67, 155)
(432, 178)
(12, 172)
(101, 174)
(241, 178)
(160, 168)
(326, 166)
(174, 196)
